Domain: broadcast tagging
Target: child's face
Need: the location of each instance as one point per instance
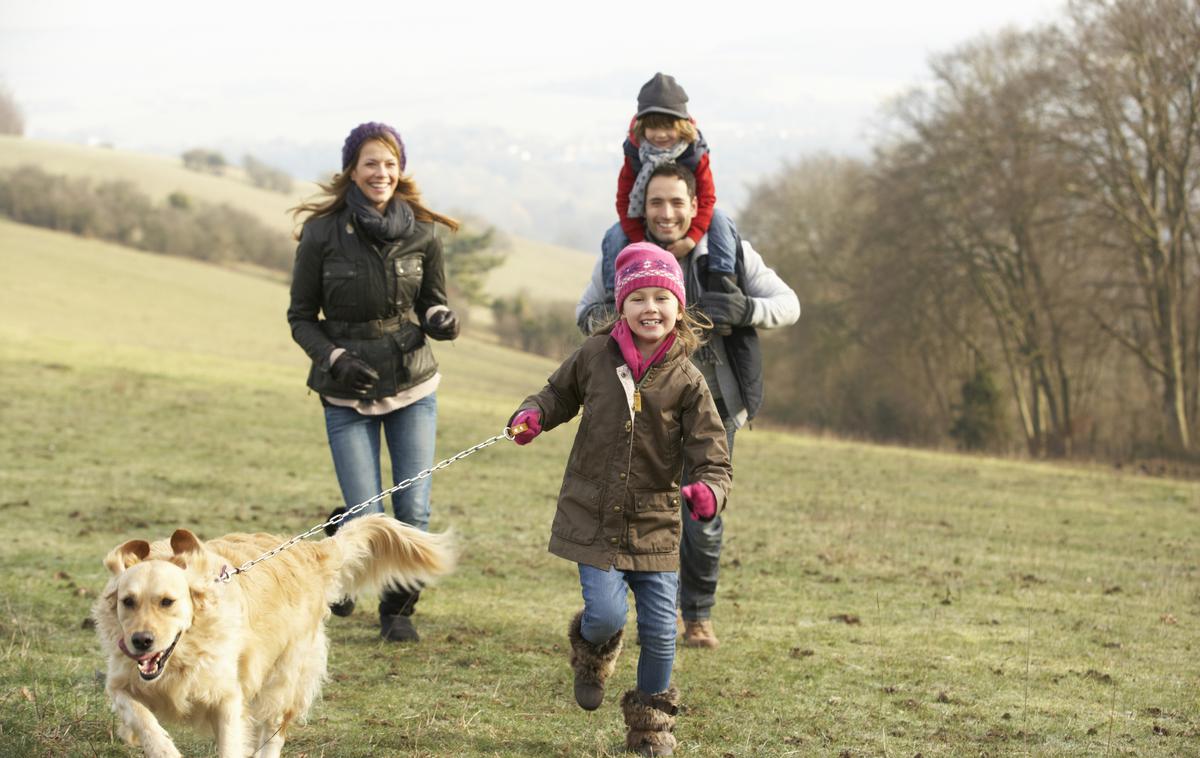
(651, 313)
(661, 137)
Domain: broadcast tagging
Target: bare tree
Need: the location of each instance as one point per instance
(991, 187)
(1133, 121)
(12, 121)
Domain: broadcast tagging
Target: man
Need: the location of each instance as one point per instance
(753, 298)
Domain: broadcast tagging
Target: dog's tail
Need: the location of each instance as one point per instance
(378, 551)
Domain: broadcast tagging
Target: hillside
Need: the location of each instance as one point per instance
(873, 601)
(545, 271)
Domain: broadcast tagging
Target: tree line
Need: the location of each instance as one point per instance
(260, 174)
(117, 211)
(1016, 265)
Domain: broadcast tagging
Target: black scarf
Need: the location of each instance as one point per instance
(396, 223)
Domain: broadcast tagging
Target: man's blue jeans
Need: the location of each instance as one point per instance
(700, 553)
(354, 442)
(605, 605)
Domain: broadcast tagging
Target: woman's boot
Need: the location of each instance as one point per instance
(651, 721)
(345, 606)
(592, 664)
(396, 606)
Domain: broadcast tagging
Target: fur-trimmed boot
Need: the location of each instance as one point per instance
(651, 721)
(592, 664)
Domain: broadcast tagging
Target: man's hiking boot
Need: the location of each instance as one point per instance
(700, 634)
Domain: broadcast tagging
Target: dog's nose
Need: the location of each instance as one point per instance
(142, 640)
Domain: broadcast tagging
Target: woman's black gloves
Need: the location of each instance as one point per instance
(442, 325)
(353, 373)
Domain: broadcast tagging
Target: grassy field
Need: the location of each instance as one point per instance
(874, 601)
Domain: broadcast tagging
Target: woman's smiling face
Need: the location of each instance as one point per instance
(377, 172)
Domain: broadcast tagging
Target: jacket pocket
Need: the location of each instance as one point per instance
(414, 364)
(577, 518)
(655, 527)
(338, 282)
(407, 273)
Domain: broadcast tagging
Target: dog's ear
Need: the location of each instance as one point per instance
(183, 541)
(203, 594)
(124, 556)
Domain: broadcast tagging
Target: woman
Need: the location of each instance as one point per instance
(370, 263)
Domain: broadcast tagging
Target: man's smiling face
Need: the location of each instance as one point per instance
(669, 209)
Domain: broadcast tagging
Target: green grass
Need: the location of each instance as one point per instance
(874, 601)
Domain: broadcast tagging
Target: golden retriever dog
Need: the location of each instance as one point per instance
(242, 659)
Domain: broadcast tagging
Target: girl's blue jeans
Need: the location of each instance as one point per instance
(354, 441)
(605, 606)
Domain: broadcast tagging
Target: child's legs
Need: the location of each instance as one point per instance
(604, 603)
(722, 243)
(613, 243)
(654, 595)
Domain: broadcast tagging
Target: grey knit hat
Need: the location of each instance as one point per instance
(364, 132)
(662, 94)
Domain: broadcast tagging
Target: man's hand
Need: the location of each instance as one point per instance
(681, 247)
(353, 373)
(729, 306)
(442, 325)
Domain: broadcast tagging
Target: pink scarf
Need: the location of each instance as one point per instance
(637, 364)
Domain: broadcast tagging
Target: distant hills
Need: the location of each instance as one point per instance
(544, 271)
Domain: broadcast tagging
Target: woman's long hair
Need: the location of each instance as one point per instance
(333, 197)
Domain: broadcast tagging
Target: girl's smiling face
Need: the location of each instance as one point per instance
(651, 313)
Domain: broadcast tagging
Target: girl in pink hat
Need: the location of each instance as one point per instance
(647, 414)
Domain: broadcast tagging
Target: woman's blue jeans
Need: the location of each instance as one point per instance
(354, 442)
(605, 605)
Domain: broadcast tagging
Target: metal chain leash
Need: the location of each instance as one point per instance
(227, 574)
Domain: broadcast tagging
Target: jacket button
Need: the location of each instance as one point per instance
(622, 474)
(629, 426)
(674, 501)
(613, 540)
(617, 508)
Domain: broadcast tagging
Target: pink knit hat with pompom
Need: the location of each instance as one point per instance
(644, 264)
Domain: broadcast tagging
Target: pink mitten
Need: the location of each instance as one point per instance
(532, 419)
(700, 500)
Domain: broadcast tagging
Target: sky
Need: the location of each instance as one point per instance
(146, 74)
(493, 98)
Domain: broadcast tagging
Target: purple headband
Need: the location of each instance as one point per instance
(364, 132)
